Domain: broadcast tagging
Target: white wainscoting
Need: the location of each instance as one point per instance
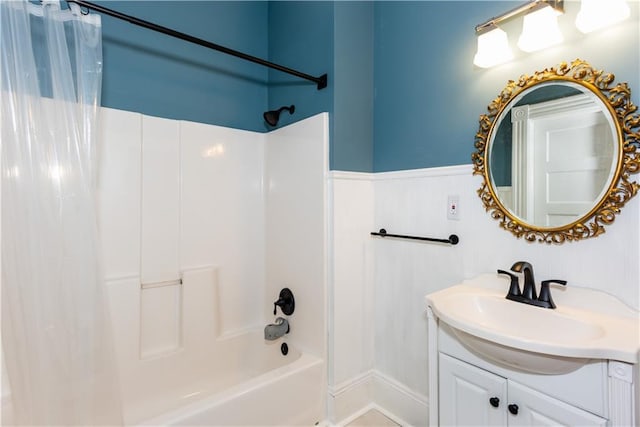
(378, 326)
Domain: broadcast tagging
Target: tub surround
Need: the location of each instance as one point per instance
(177, 196)
(296, 163)
(201, 227)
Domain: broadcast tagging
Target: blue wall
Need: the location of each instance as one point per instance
(300, 37)
(158, 75)
(428, 93)
(352, 147)
(423, 117)
(334, 38)
(403, 92)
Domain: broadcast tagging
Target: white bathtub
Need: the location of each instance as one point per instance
(247, 382)
(264, 388)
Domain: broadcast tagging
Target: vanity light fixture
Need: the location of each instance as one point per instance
(493, 44)
(540, 30)
(597, 14)
(493, 48)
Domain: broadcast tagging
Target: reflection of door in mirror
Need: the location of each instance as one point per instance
(562, 159)
(556, 151)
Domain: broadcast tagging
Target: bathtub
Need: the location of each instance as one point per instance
(264, 388)
(246, 381)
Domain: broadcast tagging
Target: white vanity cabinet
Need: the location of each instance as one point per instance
(468, 390)
(466, 393)
(494, 362)
(471, 396)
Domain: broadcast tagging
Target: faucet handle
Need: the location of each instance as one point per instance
(545, 293)
(286, 302)
(514, 288)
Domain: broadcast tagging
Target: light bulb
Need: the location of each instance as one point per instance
(540, 30)
(493, 49)
(597, 14)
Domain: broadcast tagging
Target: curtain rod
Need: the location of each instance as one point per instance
(320, 81)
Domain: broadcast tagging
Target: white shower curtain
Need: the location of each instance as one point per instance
(56, 341)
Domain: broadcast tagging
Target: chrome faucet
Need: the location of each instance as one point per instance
(528, 294)
(273, 331)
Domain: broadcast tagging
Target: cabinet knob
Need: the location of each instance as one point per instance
(494, 401)
(513, 408)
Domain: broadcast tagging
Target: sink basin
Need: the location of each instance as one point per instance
(587, 324)
(497, 313)
(538, 363)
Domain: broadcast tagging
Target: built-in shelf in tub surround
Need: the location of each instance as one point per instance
(160, 318)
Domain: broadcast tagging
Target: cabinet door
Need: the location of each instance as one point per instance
(466, 392)
(537, 409)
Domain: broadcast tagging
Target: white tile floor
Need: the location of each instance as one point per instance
(372, 418)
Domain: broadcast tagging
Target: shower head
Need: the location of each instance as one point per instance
(272, 117)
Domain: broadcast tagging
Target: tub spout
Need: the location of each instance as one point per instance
(273, 331)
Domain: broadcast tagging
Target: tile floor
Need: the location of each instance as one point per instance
(372, 418)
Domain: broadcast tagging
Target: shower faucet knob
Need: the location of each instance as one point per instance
(286, 302)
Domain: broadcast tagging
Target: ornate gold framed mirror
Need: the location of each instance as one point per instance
(556, 151)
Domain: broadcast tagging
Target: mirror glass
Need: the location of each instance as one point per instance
(557, 150)
(553, 154)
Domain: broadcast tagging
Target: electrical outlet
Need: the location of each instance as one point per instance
(453, 207)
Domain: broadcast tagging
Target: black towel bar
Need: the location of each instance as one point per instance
(452, 240)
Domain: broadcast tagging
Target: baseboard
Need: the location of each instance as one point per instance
(374, 390)
(350, 399)
(400, 403)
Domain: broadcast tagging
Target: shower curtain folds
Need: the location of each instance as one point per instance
(56, 341)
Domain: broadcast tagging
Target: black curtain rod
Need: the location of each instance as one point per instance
(321, 81)
(452, 240)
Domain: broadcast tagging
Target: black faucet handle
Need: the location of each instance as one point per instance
(545, 293)
(514, 288)
(286, 302)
